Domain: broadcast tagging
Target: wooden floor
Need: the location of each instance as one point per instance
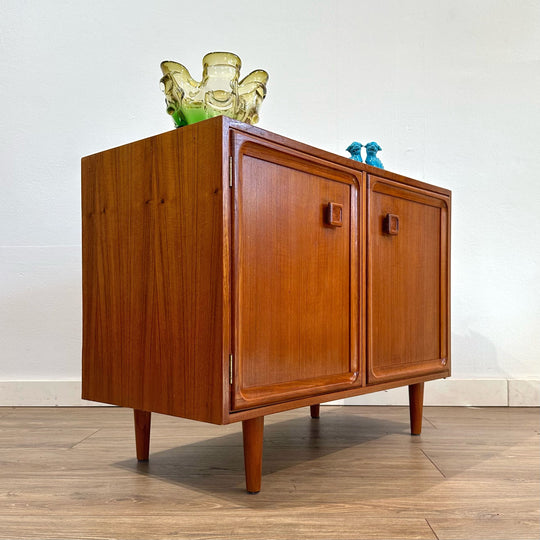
(354, 473)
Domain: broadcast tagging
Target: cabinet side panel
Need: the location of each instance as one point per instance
(152, 274)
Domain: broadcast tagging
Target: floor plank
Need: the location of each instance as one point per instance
(354, 473)
(491, 528)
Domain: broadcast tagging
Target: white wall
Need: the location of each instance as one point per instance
(451, 90)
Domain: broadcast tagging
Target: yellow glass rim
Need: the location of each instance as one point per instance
(218, 57)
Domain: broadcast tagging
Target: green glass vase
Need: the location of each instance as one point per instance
(219, 93)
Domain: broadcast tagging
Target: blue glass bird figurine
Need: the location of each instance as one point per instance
(355, 149)
(371, 155)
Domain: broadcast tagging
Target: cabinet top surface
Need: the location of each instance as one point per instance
(224, 125)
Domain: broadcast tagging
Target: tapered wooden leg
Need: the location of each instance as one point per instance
(416, 404)
(315, 411)
(253, 431)
(142, 433)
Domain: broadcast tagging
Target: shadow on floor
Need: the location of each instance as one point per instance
(360, 450)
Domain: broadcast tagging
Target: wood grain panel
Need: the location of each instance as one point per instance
(296, 277)
(152, 274)
(407, 283)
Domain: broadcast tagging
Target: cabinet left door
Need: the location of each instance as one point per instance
(296, 283)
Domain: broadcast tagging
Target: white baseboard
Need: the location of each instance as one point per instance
(448, 392)
(462, 392)
(43, 394)
(465, 392)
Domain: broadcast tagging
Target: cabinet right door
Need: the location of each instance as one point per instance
(408, 282)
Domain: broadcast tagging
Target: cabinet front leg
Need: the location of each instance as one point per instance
(416, 405)
(253, 431)
(315, 411)
(142, 433)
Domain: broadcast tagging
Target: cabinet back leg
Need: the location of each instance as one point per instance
(142, 433)
(416, 405)
(253, 432)
(315, 411)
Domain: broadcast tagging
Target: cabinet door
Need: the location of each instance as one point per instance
(295, 283)
(408, 257)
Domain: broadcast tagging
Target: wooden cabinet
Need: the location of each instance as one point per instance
(230, 273)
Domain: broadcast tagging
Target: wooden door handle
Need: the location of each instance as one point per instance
(391, 224)
(334, 214)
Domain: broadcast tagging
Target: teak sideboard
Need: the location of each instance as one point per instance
(230, 273)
